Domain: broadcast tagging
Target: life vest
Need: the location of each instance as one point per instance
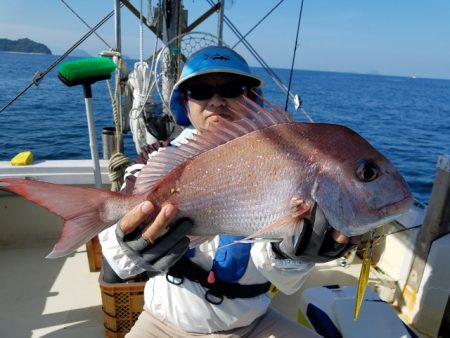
(229, 265)
(230, 261)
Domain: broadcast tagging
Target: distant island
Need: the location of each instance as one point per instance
(23, 46)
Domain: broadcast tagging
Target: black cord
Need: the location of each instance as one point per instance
(293, 56)
(401, 230)
(378, 238)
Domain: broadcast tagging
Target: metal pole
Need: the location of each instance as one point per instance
(117, 25)
(92, 135)
(171, 28)
(220, 22)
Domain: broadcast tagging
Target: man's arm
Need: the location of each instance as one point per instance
(124, 247)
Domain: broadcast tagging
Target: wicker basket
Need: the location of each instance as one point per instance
(122, 305)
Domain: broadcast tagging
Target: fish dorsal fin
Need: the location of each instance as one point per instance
(253, 117)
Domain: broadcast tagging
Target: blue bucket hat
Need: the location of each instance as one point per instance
(213, 59)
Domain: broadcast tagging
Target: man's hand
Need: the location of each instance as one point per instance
(318, 242)
(151, 246)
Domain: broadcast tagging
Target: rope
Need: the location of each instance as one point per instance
(293, 56)
(139, 98)
(117, 165)
(116, 107)
(118, 161)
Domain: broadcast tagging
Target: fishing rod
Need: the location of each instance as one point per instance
(295, 99)
(293, 57)
(37, 78)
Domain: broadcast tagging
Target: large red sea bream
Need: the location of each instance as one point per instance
(256, 177)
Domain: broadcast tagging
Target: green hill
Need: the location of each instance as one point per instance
(23, 46)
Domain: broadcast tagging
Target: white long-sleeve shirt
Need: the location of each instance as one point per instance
(185, 305)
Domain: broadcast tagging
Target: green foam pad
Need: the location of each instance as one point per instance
(87, 70)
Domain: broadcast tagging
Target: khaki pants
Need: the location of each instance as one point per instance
(270, 325)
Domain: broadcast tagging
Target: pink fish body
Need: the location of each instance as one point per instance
(242, 178)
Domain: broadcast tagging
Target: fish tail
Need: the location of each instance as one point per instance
(85, 211)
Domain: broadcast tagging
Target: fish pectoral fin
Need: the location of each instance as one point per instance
(272, 227)
(300, 208)
(256, 236)
(195, 241)
(259, 240)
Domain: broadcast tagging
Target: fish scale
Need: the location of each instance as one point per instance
(239, 177)
(244, 197)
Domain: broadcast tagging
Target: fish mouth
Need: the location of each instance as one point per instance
(397, 207)
(388, 213)
(384, 215)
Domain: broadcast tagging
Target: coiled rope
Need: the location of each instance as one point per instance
(118, 161)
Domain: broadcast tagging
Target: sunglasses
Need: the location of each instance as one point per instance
(204, 91)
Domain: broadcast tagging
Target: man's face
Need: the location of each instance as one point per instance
(210, 97)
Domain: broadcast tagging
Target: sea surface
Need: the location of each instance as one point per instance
(407, 119)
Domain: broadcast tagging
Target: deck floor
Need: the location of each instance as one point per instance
(61, 297)
(48, 297)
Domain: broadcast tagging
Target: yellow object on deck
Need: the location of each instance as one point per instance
(22, 158)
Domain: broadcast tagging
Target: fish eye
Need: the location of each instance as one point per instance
(367, 171)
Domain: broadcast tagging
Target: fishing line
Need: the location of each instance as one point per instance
(261, 61)
(258, 23)
(293, 56)
(85, 23)
(377, 239)
(37, 78)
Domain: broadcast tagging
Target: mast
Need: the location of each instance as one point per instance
(220, 22)
(117, 26)
(172, 25)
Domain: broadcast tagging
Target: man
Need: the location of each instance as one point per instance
(208, 291)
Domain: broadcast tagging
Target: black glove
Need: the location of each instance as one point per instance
(160, 255)
(315, 243)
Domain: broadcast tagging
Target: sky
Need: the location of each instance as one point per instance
(389, 37)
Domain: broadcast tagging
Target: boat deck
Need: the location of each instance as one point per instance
(61, 297)
(48, 297)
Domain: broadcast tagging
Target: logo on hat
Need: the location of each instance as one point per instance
(217, 57)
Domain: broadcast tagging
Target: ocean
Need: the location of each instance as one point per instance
(407, 119)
